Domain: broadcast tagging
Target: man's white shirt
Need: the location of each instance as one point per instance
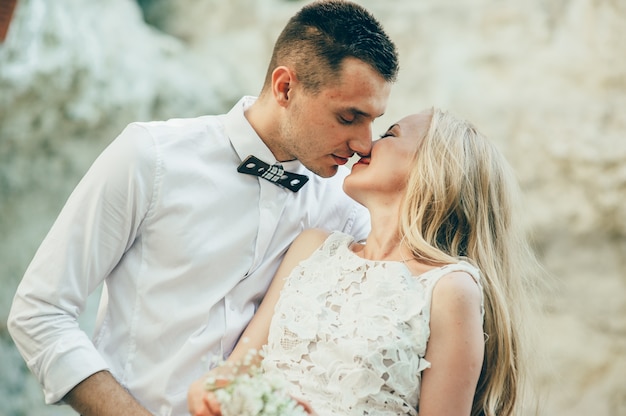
(186, 247)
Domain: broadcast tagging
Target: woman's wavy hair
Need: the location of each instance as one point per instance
(462, 202)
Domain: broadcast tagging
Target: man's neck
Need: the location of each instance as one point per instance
(262, 116)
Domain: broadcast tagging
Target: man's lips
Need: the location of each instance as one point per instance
(340, 160)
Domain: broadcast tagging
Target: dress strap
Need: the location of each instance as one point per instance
(430, 279)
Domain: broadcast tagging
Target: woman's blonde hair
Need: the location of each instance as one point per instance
(462, 203)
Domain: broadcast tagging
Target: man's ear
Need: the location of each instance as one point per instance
(283, 81)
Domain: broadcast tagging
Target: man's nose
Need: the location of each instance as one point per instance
(362, 142)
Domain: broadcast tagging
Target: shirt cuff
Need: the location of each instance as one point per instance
(64, 365)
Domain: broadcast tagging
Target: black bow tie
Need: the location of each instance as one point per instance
(274, 173)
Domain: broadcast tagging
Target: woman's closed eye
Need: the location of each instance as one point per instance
(389, 133)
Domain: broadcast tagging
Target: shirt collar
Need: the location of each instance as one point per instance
(245, 139)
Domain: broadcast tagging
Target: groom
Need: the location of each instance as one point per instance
(173, 218)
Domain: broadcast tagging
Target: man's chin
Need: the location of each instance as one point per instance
(324, 171)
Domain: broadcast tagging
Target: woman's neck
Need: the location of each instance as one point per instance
(383, 242)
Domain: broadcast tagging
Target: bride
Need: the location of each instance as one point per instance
(425, 316)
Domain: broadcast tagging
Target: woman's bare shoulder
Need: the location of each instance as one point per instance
(457, 291)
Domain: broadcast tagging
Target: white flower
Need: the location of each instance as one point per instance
(256, 394)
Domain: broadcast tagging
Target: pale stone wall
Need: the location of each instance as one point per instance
(544, 78)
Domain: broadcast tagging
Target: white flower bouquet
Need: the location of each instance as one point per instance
(253, 393)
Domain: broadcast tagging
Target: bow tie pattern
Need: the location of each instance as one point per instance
(274, 173)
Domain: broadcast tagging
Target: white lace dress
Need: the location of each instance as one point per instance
(350, 334)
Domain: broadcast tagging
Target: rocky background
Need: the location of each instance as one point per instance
(546, 79)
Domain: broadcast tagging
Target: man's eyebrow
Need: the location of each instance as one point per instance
(362, 113)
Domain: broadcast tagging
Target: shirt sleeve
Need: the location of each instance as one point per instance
(99, 222)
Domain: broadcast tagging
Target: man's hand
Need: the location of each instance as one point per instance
(101, 395)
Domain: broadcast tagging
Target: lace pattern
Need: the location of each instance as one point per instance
(350, 334)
